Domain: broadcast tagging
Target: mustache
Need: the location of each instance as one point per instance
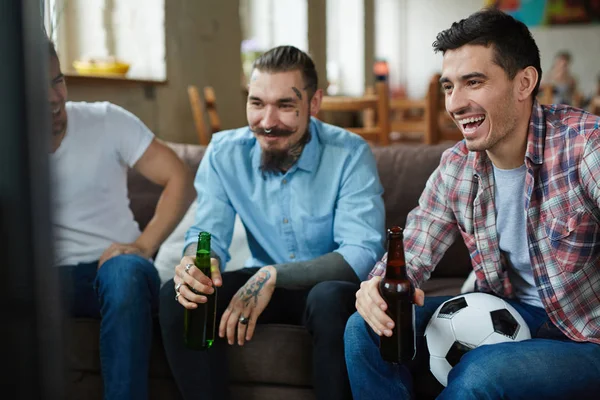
(274, 132)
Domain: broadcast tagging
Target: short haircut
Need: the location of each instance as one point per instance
(52, 48)
(513, 45)
(289, 58)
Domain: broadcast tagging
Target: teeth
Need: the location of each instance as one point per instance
(470, 120)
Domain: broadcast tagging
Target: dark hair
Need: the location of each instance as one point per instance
(51, 48)
(513, 44)
(289, 58)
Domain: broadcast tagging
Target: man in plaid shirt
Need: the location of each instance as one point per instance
(522, 190)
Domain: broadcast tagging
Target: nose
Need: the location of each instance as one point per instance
(456, 102)
(53, 96)
(270, 118)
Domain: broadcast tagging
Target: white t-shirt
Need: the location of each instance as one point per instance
(89, 180)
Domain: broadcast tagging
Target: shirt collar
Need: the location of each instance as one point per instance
(536, 137)
(311, 153)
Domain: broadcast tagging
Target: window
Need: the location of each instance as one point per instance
(270, 23)
(131, 31)
(346, 47)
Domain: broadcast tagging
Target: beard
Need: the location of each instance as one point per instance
(280, 160)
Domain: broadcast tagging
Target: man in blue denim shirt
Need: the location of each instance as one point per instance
(309, 196)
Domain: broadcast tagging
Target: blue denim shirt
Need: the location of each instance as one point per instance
(330, 200)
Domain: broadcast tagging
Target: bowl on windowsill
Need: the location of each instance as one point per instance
(101, 67)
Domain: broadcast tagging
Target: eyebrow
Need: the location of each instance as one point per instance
(466, 77)
(282, 100)
(286, 100)
(58, 77)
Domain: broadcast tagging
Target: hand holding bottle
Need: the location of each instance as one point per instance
(372, 307)
(187, 278)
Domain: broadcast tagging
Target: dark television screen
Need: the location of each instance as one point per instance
(31, 320)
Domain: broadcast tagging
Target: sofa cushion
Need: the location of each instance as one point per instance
(277, 354)
(265, 359)
(82, 342)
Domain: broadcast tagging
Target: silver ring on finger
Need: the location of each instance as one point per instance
(177, 297)
(178, 286)
(244, 320)
(188, 267)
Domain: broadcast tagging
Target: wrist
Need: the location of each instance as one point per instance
(272, 274)
(146, 249)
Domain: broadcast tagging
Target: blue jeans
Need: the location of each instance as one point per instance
(124, 295)
(549, 366)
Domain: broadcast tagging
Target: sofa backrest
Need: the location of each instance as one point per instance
(403, 170)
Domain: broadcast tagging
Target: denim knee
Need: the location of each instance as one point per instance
(357, 338)
(485, 370)
(127, 278)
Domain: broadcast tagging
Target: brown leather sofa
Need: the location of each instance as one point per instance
(276, 363)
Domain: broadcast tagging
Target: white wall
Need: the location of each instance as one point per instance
(582, 41)
(423, 19)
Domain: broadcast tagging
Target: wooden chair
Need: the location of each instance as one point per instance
(410, 119)
(379, 103)
(210, 100)
(199, 108)
(594, 106)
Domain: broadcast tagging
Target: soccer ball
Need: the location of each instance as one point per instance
(468, 321)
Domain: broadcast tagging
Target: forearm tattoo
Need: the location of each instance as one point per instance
(251, 290)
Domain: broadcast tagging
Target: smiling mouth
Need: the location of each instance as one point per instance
(470, 125)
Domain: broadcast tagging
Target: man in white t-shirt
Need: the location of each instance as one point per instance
(104, 259)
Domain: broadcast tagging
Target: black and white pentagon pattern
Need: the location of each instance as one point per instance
(504, 323)
(452, 307)
(456, 352)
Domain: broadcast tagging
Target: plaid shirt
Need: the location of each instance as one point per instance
(561, 202)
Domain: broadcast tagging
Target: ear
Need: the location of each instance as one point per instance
(315, 102)
(525, 82)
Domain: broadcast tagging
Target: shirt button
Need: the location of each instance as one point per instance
(284, 181)
(292, 256)
(285, 221)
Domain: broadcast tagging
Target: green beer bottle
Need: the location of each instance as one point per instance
(199, 323)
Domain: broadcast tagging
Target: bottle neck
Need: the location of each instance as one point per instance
(396, 265)
(204, 242)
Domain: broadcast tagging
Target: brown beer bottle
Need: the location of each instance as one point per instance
(398, 293)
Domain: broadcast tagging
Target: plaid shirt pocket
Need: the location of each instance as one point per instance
(574, 239)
